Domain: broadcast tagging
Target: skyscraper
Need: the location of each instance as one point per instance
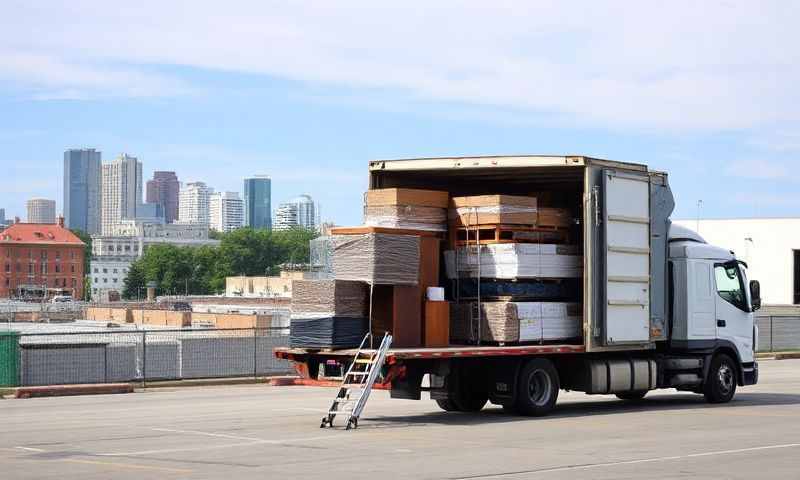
(258, 202)
(82, 190)
(41, 210)
(193, 203)
(164, 189)
(300, 211)
(121, 190)
(226, 211)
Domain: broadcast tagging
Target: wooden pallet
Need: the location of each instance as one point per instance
(498, 233)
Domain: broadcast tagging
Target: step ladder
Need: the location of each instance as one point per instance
(357, 383)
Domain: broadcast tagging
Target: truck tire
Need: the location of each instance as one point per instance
(537, 388)
(632, 396)
(720, 385)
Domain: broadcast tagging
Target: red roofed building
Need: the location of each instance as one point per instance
(37, 259)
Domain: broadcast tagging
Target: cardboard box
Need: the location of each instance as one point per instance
(554, 217)
(493, 209)
(406, 196)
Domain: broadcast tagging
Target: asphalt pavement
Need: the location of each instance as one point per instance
(258, 432)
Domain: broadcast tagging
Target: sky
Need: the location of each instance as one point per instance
(309, 92)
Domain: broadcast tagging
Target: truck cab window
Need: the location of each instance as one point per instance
(729, 285)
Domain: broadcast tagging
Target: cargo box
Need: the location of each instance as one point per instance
(406, 196)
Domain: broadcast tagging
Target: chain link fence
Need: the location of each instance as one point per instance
(82, 357)
(778, 333)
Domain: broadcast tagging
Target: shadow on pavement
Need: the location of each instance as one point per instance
(493, 414)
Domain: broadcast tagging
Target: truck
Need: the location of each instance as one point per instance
(661, 308)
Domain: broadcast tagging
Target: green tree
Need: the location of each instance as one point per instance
(134, 281)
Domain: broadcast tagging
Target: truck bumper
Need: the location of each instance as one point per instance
(750, 374)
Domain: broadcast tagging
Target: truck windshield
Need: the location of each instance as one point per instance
(729, 285)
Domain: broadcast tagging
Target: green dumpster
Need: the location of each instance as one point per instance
(9, 359)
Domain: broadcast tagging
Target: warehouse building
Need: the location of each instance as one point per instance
(770, 247)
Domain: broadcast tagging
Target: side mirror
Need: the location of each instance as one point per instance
(755, 294)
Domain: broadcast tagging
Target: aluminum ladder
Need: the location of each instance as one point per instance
(357, 383)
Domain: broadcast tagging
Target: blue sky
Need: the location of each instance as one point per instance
(309, 93)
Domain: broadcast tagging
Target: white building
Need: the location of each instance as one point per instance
(121, 187)
(108, 277)
(300, 211)
(41, 210)
(225, 211)
(113, 254)
(769, 246)
(193, 203)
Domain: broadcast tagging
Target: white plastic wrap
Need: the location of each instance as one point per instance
(377, 258)
(514, 260)
(410, 217)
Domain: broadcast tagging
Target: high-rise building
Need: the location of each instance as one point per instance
(225, 211)
(164, 189)
(300, 211)
(193, 203)
(121, 190)
(2, 216)
(41, 210)
(258, 202)
(82, 189)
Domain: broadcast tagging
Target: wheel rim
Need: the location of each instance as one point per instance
(725, 378)
(540, 388)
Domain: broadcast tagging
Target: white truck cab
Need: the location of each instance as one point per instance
(713, 305)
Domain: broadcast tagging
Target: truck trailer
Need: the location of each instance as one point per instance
(661, 308)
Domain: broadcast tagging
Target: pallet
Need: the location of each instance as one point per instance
(487, 234)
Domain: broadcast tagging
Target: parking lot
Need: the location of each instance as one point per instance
(262, 432)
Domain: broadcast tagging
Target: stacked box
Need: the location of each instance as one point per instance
(406, 208)
(328, 313)
(336, 297)
(493, 209)
(513, 261)
(313, 331)
(377, 258)
(554, 217)
(510, 322)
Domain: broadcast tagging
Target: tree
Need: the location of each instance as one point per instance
(134, 281)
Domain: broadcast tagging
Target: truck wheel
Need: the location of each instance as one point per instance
(632, 396)
(720, 386)
(537, 388)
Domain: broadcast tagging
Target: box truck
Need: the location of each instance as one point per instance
(661, 308)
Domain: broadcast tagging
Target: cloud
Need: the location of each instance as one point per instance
(677, 66)
(761, 170)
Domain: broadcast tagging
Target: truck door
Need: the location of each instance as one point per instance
(734, 319)
(625, 230)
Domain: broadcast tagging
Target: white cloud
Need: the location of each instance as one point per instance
(761, 169)
(678, 65)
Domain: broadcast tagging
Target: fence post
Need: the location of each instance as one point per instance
(144, 358)
(770, 334)
(255, 355)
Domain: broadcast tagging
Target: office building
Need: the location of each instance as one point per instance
(300, 211)
(193, 203)
(164, 190)
(150, 213)
(2, 217)
(121, 190)
(40, 260)
(82, 189)
(41, 210)
(226, 211)
(258, 202)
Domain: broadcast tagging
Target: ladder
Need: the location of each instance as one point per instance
(357, 383)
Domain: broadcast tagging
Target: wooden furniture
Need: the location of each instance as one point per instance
(437, 323)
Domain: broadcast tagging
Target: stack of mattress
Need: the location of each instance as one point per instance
(328, 313)
(377, 258)
(493, 209)
(406, 208)
(514, 260)
(511, 322)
